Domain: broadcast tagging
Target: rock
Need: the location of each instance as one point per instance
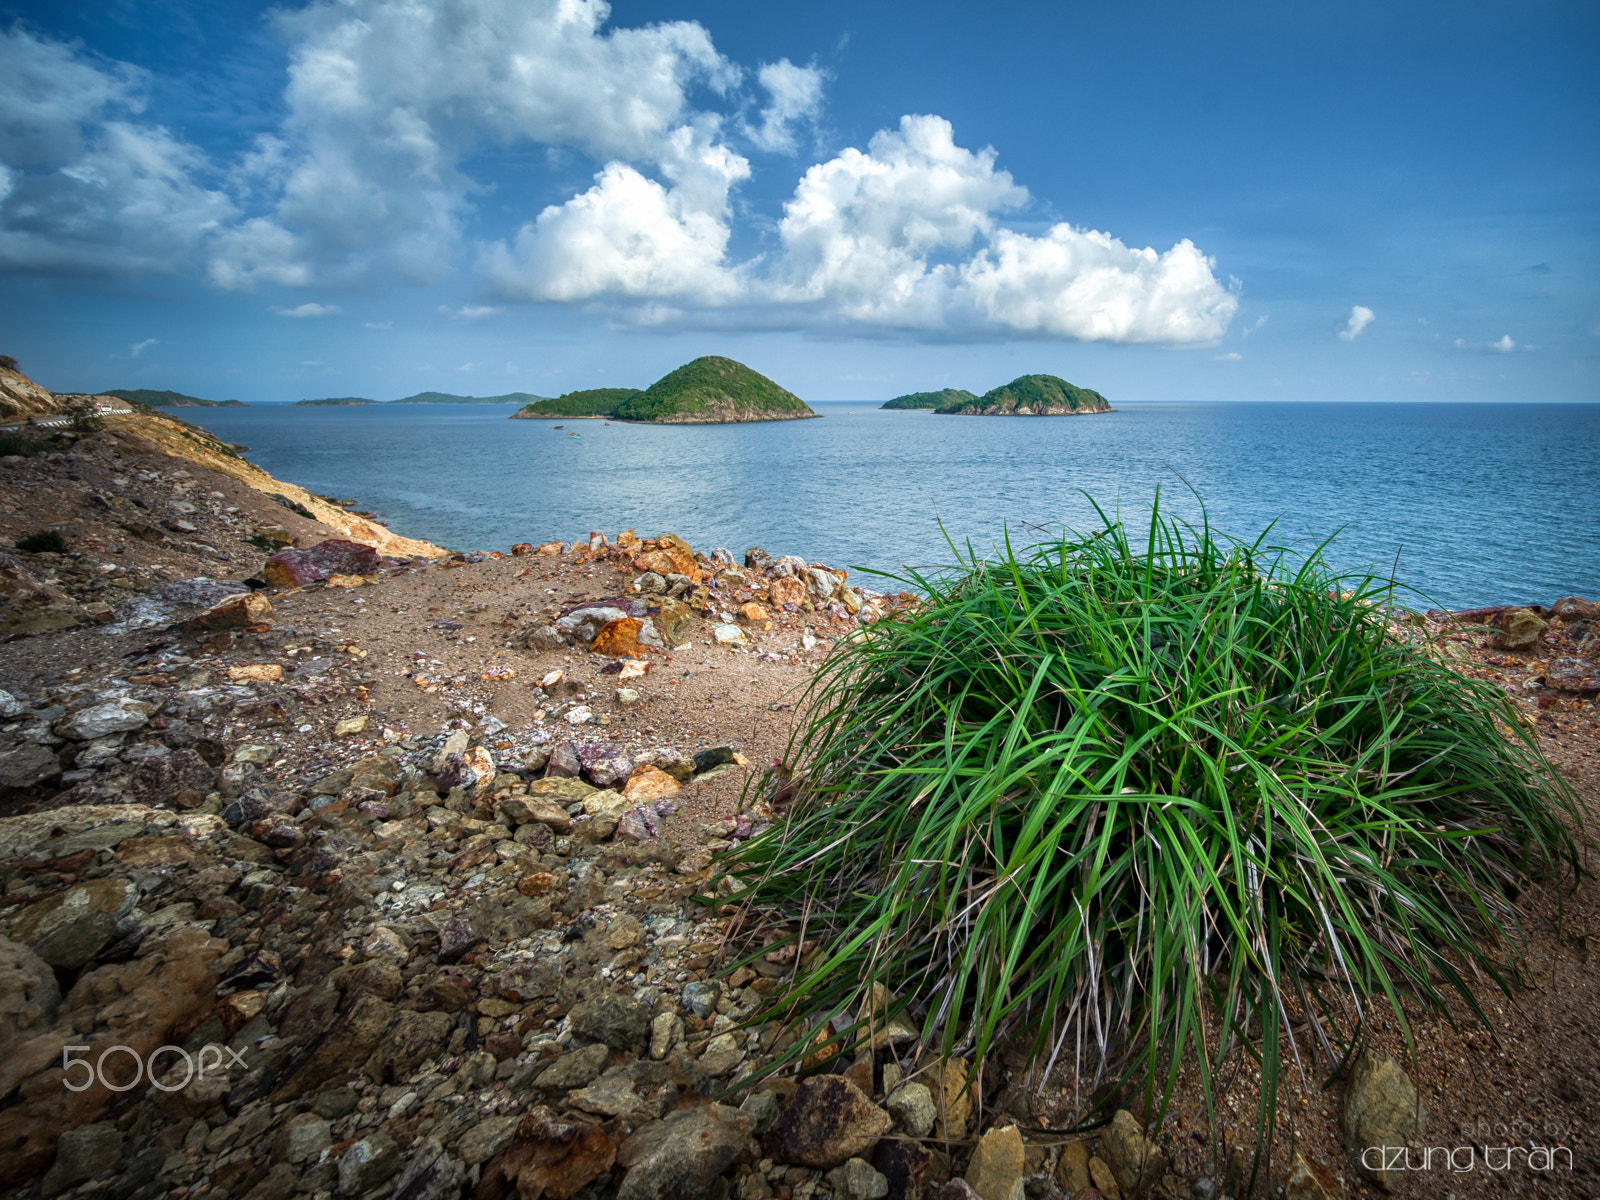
(486, 1139)
(828, 1120)
(366, 1164)
(351, 726)
(302, 1139)
(99, 720)
(431, 1174)
(110, 896)
(541, 638)
(621, 1022)
(1308, 1180)
(1381, 1109)
(906, 1165)
(636, 1087)
(673, 618)
(1072, 1168)
(606, 805)
(619, 638)
(624, 932)
(456, 937)
(911, 1105)
(1573, 675)
(239, 611)
(73, 944)
(996, 1169)
(81, 1154)
(1134, 1159)
(647, 783)
(24, 763)
(721, 1055)
(280, 1184)
(757, 559)
(550, 1157)
(730, 635)
(1574, 608)
(639, 825)
(297, 568)
(411, 1038)
(29, 997)
(605, 766)
(786, 591)
(960, 1189)
(145, 998)
(857, 1180)
(347, 1043)
(626, 697)
(681, 1156)
(575, 1069)
(256, 673)
(952, 1098)
(762, 1108)
(1102, 1179)
(584, 624)
(701, 996)
(1520, 629)
(29, 606)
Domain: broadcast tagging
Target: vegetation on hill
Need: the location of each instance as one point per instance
(448, 398)
(334, 402)
(1036, 395)
(940, 399)
(1177, 798)
(591, 402)
(713, 389)
(166, 399)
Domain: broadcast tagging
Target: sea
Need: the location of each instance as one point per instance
(1468, 504)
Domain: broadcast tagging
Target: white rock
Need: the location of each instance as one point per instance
(98, 720)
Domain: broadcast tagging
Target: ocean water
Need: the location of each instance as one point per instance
(1471, 503)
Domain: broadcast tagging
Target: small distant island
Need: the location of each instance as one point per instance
(934, 400)
(1024, 396)
(708, 391)
(424, 398)
(162, 399)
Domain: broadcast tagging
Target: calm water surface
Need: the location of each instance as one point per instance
(1482, 503)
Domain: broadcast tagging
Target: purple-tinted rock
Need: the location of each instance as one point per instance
(297, 568)
(564, 762)
(605, 766)
(638, 825)
(456, 938)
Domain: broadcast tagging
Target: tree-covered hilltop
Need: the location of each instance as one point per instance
(713, 390)
(943, 398)
(334, 402)
(590, 402)
(1032, 396)
(163, 399)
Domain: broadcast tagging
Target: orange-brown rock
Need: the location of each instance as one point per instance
(549, 549)
(786, 590)
(256, 673)
(136, 1005)
(649, 783)
(236, 612)
(752, 613)
(548, 1157)
(521, 548)
(619, 638)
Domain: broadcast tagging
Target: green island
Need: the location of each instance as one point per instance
(708, 391)
(1024, 396)
(934, 400)
(334, 402)
(590, 402)
(163, 399)
(448, 398)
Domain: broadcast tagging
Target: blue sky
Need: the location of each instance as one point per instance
(1159, 201)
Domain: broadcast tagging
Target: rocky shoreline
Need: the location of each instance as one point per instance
(397, 875)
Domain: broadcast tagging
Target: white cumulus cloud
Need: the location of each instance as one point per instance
(1360, 317)
(310, 310)
(626, 236)
(139, 348)
(795, 99)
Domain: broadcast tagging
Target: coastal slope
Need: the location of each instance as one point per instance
(943, 398)
(168, 399)
(1032, 396)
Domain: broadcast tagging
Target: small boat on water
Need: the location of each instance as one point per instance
(558, 427)
(575, 435)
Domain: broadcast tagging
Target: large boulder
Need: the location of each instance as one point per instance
(297, 568)
(681, 1156)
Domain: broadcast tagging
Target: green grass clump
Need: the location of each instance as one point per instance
(1129, 803)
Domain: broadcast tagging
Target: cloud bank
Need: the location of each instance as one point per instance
(390, 106)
